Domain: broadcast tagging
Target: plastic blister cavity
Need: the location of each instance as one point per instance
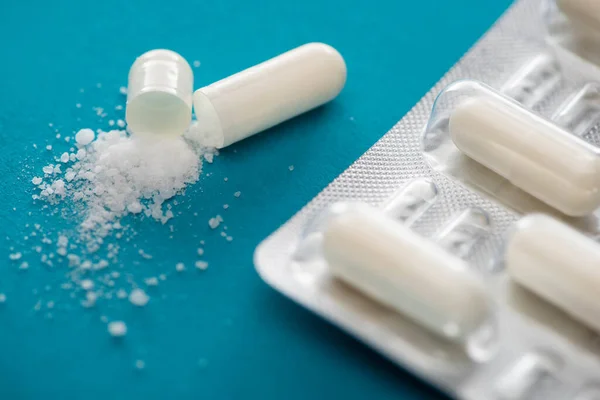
(375, 252)
(269, 93)
(159, 94)
(532, 153)
(557, 263)
(534, 82)
(531, 377)
(580, 112)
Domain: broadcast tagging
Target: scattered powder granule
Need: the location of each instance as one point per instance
(87, 284)
(123, 90)
(36, 180)
(2, 298)
(226, 179)
(84, 136)
(200, 251)
(225, 206)
(117, 328)
(229, 238)
(196, 63)
(291, 167)
(215, 222)
(138, 297)
(237, 194)
(209, 157)
(162, 277)
(111, 122)
(100, 265)
(140, 364)
(24, 265)
(152, 281)
(201, 265)
(49, 147)
(90, 299)
(120, 123)
(64, 158)
(121, 293)
(144, 255)
(179, 267)
(15, 256)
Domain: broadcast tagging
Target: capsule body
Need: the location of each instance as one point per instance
(557, 263)
(406, 272)
(159, 94)
(582, 12)
(532, 153)
(269, 93)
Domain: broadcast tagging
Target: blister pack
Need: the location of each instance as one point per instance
(464, 245)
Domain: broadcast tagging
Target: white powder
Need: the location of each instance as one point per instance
(200, 251)
(87, 284)
(84, 137)
(117, 328)
(36, 180)
(215, 222)
(152, 281)
(138, 297)
(201, 265)
(179, 267)
(117, 174)
(2, 298)
(140, 364)
(237, 194)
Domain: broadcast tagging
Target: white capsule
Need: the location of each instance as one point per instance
(406, 272)
(557, 263)
(269, 93)
(534, 154)
(159, 94)
(584, 12)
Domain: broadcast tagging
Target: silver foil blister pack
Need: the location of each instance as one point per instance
(463, 245)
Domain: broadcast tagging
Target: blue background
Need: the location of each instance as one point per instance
(222, 333)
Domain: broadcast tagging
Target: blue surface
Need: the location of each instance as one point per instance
(251, 342)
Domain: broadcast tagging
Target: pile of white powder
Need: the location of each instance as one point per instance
(112, 174)
(102, 178)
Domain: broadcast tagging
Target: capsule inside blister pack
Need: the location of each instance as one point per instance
(532, 153)
(557, 263)
(375, 252)
(573, 28)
